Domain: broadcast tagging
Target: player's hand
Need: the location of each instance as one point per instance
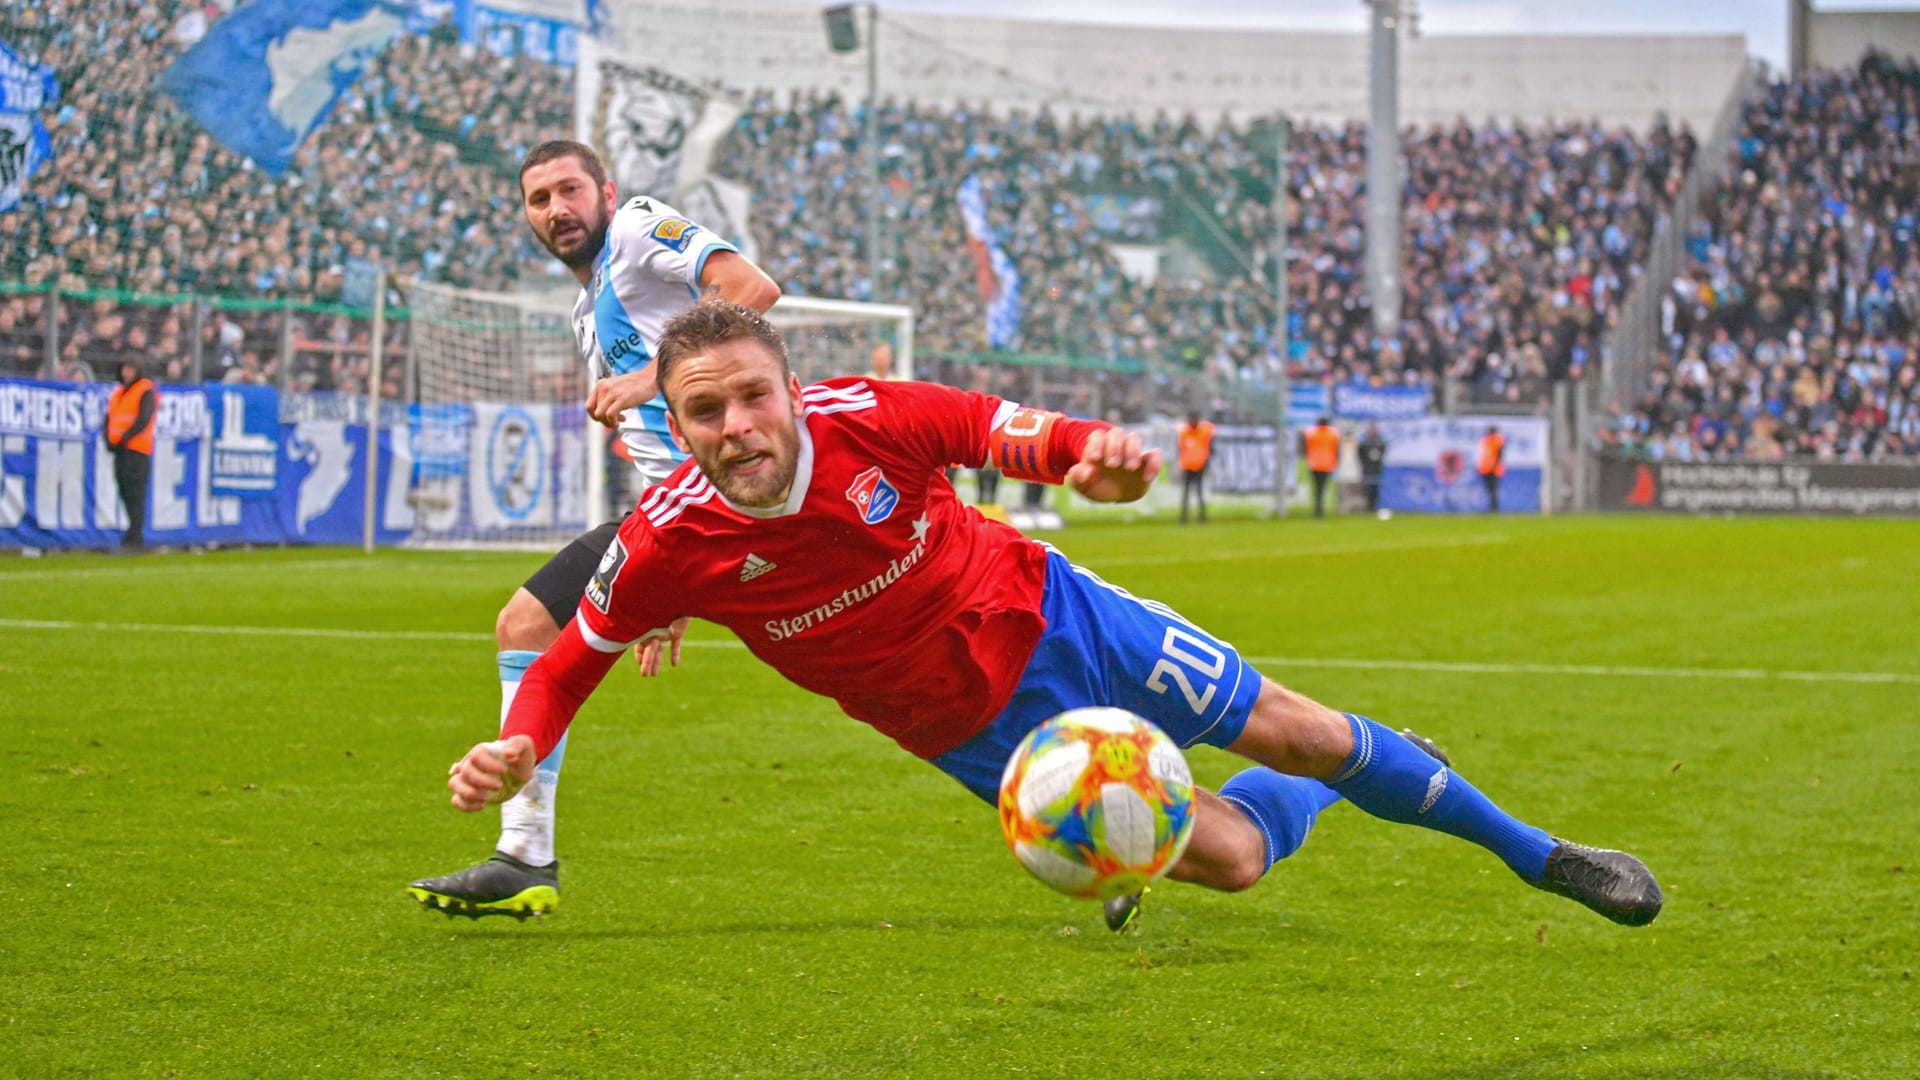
(608, 398)
(1114, 467)
(491, 772)
(648, 650)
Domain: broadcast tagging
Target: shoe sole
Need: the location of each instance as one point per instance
(1132, 916)
(532, 902)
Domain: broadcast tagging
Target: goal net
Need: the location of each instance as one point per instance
(501, 453)
(497, 422)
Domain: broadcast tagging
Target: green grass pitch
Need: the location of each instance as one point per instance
(221, 769)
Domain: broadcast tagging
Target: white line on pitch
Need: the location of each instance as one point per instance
(123, 570)
(1601, 670)
(1455, 667)
(245, 631)
(1290, 553)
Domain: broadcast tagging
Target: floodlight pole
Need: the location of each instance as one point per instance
(1383, 165)
(874, 290)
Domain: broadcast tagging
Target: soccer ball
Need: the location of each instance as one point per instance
(1097, 802)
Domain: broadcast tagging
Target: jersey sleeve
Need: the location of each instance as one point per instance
(622, 604)
(949, 426)
(628, 597)
(655, 238)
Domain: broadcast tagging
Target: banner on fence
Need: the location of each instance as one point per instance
(1359, 401)
(249, 465)
(1432, 464)
(1752, 487)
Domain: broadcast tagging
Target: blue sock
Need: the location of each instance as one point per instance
(1389, 777)
(513, 666)
(1284, 807)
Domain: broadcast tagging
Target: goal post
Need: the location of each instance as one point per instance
(499, 450)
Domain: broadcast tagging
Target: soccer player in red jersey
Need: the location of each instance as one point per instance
(817, 524)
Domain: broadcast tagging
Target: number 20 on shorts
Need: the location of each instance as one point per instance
(1184, 653)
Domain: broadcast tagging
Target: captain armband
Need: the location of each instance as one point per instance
(1018, 447)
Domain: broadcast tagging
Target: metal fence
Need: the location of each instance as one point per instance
(69, 335)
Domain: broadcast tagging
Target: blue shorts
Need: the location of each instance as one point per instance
(1104, 646)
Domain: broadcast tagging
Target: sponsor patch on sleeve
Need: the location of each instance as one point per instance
(600, 589)
(675, 233)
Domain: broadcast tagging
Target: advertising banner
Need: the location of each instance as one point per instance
(245, 464)
(1432, 464)
(1755, 487)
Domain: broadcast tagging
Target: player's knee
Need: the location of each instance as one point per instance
(524, 623)
(1232, 866)
(1227, 852)
(1294, 734)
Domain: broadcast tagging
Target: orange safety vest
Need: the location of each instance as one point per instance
(1491, 461)
(1196, 446)
(1323, 448)
(123, 407)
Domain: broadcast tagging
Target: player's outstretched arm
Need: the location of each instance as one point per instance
(491, 772)
(1114, 467)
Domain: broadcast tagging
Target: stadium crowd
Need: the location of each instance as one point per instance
(1520, 241)
(412, 168)
(1794, 328)
(1791, 330)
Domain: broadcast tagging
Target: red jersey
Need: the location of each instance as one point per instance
(873, 584)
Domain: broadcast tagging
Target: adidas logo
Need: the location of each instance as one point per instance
(1436, 785)
(754, 567)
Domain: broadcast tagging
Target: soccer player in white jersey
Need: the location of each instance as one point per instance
(639, 265)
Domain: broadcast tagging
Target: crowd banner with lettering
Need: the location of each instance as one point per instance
(1359, 401)
(1756, 487)
(1432, 465)
(27, 89)
(56, 473)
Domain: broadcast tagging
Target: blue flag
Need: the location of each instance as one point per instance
(25, 89)
(265, 76)
(994, 270)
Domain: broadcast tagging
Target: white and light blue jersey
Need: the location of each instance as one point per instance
(648, 272)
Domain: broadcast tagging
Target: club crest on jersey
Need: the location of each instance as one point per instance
(875, 497)
(675, 232)
(600, 589)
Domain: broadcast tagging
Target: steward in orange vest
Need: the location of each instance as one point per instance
(130, 436)
(1196, 449)
(1493, 465)
(1323, 456)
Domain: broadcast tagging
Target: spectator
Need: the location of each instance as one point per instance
(1372, 451)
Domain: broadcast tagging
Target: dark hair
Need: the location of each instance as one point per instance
(554, 150)
(712, 322)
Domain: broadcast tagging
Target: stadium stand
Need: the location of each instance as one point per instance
(1520, 240)
(1792, 329)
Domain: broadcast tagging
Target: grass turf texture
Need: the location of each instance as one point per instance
(208, 833)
